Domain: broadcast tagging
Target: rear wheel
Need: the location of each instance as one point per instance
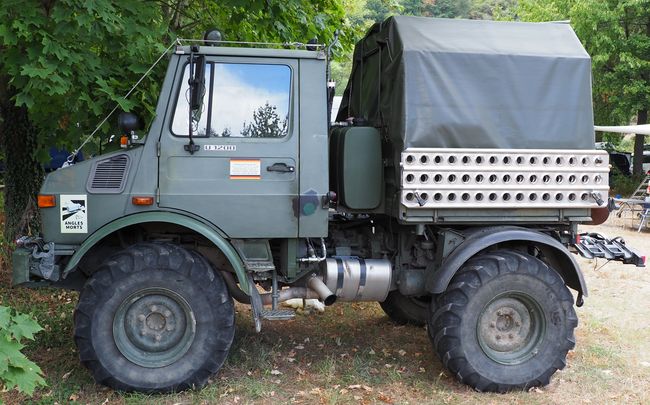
(505, 322)
(405, 310)
(154, 318)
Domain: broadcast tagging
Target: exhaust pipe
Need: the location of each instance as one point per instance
(325, 294)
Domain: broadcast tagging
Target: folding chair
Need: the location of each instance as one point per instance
(645, 213)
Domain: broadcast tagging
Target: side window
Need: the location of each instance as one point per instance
(250, 100)
(245, 101)
(180, 124)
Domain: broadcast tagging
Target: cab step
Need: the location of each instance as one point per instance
(278, 314)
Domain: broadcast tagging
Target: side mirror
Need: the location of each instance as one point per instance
(128, 122)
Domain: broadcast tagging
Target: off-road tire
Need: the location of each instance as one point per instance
(487, 303)
(169, 296)
(405, 310)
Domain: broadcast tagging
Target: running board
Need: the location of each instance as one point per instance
(595, 245)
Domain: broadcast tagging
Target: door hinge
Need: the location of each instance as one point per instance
(158, 149)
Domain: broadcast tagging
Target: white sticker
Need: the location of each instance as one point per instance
(220, 148)
(74, 217)
(245, 169)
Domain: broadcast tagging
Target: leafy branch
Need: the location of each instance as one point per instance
(16, 370)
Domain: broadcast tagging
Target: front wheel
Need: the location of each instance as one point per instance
(154, 318)
(505, 322)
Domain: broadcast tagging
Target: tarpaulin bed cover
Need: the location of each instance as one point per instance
(451, 83)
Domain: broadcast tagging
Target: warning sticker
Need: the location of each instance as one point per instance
(74, 218)
(245, 169)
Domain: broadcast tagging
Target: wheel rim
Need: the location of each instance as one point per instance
(511, 328)
(154, 327)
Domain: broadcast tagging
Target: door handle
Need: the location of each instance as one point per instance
(280, 167)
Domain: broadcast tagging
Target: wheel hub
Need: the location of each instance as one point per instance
(510, 328)
(154, 327)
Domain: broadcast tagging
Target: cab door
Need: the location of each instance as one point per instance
(244, 176)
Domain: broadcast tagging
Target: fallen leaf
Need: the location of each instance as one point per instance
(66, 375)
(401, 352)
(276, 372)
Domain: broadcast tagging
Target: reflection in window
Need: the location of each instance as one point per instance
(250, 100)
(247, 100)
(180, 125)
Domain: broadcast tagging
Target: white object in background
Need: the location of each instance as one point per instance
(626, 129)
(297, 303)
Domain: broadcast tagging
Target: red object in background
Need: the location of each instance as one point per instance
(598, 215)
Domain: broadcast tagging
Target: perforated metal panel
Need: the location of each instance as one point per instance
(503, 178)
(108, 175)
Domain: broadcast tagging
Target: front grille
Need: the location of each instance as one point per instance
(109, 175)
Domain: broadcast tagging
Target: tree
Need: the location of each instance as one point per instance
(493, 10)
(437, 8)
(266, 123)
(616, 33)
(379, 10)
(64, 64)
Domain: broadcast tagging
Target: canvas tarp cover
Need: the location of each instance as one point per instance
(473, 84)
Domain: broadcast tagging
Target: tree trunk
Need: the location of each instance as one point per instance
(23, 173)
(642, 118)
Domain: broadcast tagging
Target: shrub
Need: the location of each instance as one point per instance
(16, 370)
(622, 184)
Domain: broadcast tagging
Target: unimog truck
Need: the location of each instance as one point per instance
(449, 190)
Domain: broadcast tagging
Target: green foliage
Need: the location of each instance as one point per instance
(623, 185)
(71, 61)
(16, 370)
(379, 10)
(493, 10)
(437, 8)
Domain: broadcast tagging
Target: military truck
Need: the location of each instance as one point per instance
(449, 191)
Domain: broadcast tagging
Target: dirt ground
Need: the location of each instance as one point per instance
(353, 354)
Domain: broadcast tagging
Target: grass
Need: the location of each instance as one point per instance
(353, 354)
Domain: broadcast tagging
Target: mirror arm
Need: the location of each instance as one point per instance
(191, 147)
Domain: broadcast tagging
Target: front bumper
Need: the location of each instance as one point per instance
(34, 260)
